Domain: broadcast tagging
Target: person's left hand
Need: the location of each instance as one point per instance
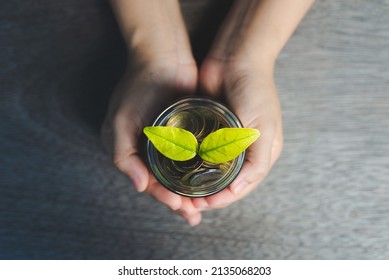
(145, 90)
(250, 92)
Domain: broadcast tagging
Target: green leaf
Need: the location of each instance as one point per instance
(175, 143)
(227, 143)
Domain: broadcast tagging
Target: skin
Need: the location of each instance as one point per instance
(239, 69)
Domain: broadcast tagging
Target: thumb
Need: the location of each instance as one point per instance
(210, 76)
(257, 164)
(125, 153)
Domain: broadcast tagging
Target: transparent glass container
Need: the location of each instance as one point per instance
(195, 177)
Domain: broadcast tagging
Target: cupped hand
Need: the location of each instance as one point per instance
(250, 92)
(144, 90)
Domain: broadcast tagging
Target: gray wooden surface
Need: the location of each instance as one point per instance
(60, 197)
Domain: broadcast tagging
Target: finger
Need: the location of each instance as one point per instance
(277, 145)
(221, 199)
(193, 220)
(181, 205)
(189, 212)
(210, 77)
(200, 203)
(227, 196)
(187, 78)
(257, 163)
(163, 195)
(125, 154)
(188, 207)
(133, 167)
(275, 154)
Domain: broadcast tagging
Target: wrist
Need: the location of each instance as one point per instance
(244, 63)
(147, 49)
(163, 68)
(260, 59)
(153, 30)
(257, 30)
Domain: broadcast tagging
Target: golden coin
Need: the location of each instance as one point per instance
(210, 165)
(210, 122)
(185, 120)
(225, 166)
(169, 169)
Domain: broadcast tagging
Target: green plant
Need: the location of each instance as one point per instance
(219, 146)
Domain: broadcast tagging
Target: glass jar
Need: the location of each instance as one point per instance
(195, 177)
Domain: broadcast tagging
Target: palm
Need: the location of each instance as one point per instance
(251, 94)
(138, 98)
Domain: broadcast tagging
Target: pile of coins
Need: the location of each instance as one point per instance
(194, 174)
(200, 122)
(195, 177)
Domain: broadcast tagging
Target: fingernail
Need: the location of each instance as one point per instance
(194, 222)
(137, 182)
(239, 187)
(175, 205)
(201, 204)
